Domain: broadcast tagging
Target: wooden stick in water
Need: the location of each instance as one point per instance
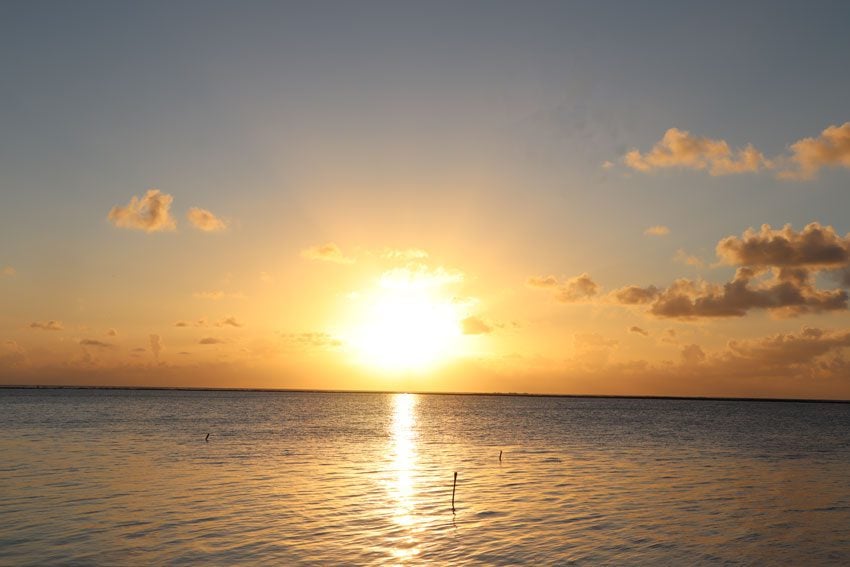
(500, 456)
(453, 492)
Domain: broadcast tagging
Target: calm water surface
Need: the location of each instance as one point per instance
(125, 477)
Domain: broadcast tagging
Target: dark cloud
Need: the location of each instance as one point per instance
(211, 341)
(815, 246)
(776, 272)
(639, 331)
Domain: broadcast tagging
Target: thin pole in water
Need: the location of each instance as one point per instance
(500, 456)
(454, 485)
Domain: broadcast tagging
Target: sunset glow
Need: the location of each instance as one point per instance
(406, 325)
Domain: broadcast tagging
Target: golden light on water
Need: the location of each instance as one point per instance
(403, 487)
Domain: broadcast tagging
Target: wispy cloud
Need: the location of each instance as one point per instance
(47, 325)
(657, 230)
(218, 295)
(689, 260)
(328, 252)
(475, 326)
(150, 213)
(639, 331)
(96, 344)
(156, 345)
(8, 272)
(211, 341)
(572, 290)
(204, 220)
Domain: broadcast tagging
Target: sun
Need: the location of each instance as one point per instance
(406, 325)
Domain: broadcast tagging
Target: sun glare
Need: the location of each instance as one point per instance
(406, 325)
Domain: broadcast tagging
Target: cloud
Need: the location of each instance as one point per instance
(572, 290)
(96, 344)
(149, 213)
(218, 295)
(311, 340)
(639, 331)
(229, 322)
(156, 345)
(657, 230)
(635, 295)
(328, 252)
(47, 325)
(688, 299)
(809, 155)
(475, 326)
(111, 333)
(181, 324)
(404, 254)
(607, 164)
(8, 272)
(211, 341)
(684, 258)
(776, 271)
(678, 149)
(815, 246)
(204, 220)
(790, 348)
(417, 275)
(693, 354)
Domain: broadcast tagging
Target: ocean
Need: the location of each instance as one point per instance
(126, 477)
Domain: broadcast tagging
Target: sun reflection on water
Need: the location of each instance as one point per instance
(403, 487)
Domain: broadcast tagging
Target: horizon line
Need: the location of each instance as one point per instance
(423, 393)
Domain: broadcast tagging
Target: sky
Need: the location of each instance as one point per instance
(546, 197)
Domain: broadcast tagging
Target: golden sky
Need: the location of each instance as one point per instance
(534, 197)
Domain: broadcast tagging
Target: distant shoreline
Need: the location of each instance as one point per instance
(500, 394)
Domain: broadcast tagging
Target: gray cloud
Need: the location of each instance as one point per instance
(211, 341)
(815, 246)
(776, 272)
(639, 331)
